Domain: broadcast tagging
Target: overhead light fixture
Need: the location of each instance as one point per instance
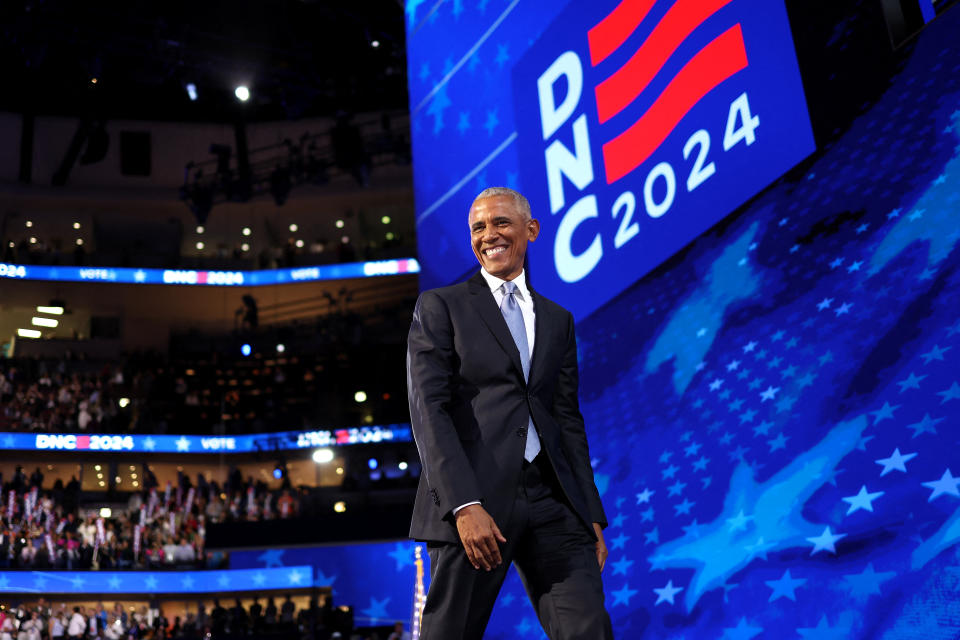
(44, 322)
(360, 396)
(242, 93)
(293, 227)
(79, 242)
(339, 224)
(247, 231)
(245, 247)
(52, 310)
(76, 225)
(199, 246)
(385, 219)
(322, 456)
(246, 349)
(192, 91)
(340, 506)
(200, 229)
(29, 223)
(33, 240)
(28, 333)
(281, 348)
(124, 403)
(390, 235)
(375, 44)
(299, 244)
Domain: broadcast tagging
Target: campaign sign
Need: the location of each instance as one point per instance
(643, 123)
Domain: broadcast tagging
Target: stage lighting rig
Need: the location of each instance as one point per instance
(353, 149)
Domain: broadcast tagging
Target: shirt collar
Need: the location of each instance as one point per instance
(495, 283)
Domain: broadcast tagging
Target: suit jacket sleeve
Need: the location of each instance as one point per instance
(566, 411)
(431, 361)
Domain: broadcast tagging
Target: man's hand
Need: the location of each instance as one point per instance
(601, 546)
(479, 535)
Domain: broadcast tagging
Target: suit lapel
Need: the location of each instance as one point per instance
(543, 335)
(489, 313)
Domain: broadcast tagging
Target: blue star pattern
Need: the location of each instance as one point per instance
(147, 582)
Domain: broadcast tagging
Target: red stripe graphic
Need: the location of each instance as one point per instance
(629, 81)
(613, 31)
(723, 57)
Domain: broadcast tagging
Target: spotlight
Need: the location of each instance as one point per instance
(192, 91)
(339, 224)
(200, 246)
(278, 472)
(340, 506)
(385, 219)
(106, 512)
(246, 349)
(44, 322)
(245, 247)
(299, 244)
(247, 231)
(51, 310)
(294, 227)
(33, 240)
(242, 93)
(281, 348)
(345, 239)
(76, 225)
(200, 229)
(79, 242)
(360, 396)
(375, 44)
(29, 223)
(322, 456)
(373, 463)
(402, 466)
(390, 235)
(124, 403)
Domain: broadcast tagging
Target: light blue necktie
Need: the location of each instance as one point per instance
(510, 309)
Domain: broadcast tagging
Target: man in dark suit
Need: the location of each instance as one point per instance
(492, 386)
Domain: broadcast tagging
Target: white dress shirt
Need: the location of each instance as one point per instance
(525, 300)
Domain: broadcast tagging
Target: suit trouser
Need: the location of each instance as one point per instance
(555, 557)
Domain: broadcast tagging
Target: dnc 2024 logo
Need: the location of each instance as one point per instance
(641, 124)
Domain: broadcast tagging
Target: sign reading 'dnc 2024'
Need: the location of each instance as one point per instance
(641, 124)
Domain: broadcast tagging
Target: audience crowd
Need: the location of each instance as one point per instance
(44, 621)
(162, 528)
(210, 392)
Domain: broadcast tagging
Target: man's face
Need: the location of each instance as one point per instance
(499, 235)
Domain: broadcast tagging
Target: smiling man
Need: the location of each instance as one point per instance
(492, 386)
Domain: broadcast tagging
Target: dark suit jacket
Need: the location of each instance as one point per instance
(469, 407)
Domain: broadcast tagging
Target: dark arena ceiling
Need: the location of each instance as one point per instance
(133, 59)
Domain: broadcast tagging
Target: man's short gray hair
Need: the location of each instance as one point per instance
(521, 203)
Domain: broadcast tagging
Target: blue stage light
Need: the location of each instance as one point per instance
(373, 463)
(192, 91)
(277, 472)
(246, 349)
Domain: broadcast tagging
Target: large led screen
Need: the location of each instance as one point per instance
(631, 127)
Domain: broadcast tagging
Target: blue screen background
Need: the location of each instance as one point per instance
(773, 413)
